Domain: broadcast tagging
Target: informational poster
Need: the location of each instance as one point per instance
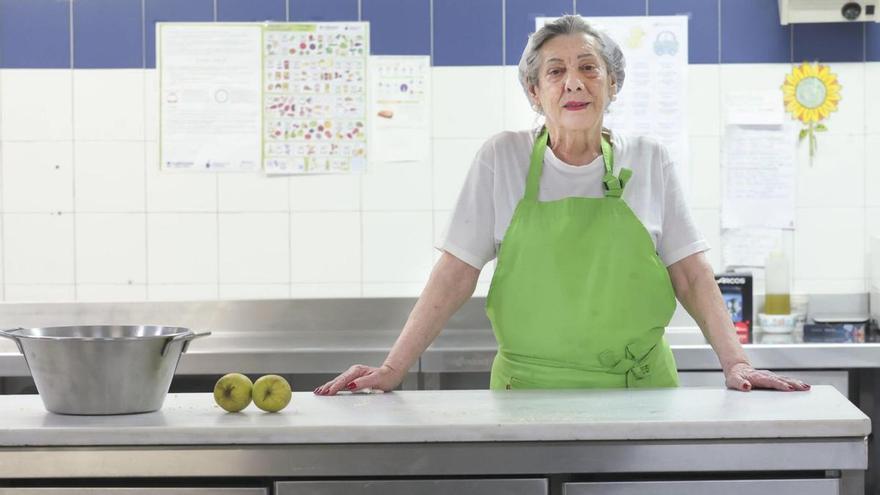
(315, 98)
(652, 101)
(400, 108)
(748, 247)
(290, 97)
(209, 88)
(758, 177)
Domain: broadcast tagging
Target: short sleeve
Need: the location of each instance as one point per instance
(469, 234)
(679, 237)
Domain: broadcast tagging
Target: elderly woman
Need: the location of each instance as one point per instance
(593, 239)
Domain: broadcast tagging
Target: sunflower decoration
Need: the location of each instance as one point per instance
(810, 94)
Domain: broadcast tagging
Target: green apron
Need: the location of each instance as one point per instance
(579, 298)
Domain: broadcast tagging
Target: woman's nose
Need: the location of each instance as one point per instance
(573, 84)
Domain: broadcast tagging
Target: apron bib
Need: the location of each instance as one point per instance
(579, 298)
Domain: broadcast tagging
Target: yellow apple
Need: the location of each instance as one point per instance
(272, 393)
(233, 392)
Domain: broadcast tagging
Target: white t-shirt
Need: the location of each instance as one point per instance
(497, 181)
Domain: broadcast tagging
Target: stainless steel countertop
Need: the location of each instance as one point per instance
(328, 335)
(455, 350)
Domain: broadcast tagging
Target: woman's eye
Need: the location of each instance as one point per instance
(589, 68)
(554, 72)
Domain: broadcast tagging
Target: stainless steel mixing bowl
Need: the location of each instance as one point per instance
(102, 369)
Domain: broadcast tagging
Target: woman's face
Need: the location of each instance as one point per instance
(573, 83)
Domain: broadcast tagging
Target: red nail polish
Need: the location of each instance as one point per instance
(351, 386)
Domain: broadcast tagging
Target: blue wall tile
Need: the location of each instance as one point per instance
(323, 10)
(108, 34)
(600, 8)
(751, 33)
(251, 10)
(520, 22)
(35, 34)
(829, 42)
(872, 42)
(702, 26)
(172, 11)
(467, 32)
(398, 27)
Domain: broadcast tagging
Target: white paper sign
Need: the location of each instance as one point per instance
(754, 108)
(758, 177)
(209, 85)
(400, 118)
(748, 247)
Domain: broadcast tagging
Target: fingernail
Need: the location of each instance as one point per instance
(747, 386)
(351, 386)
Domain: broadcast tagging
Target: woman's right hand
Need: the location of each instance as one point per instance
(359, 377)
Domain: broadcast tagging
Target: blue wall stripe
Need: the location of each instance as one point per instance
(751, 33)
(519, 22)
(702, 26)
(829, 42)
(108, 34)
(111, 33)
(872, 42)
(323, 10)
(251, 10)
(398, 27)
(604, 8)
(467, 32)
(169, 11)
(35, 34)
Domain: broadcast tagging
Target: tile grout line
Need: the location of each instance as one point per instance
(503, 33)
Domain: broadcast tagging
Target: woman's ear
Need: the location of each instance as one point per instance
(612, 90)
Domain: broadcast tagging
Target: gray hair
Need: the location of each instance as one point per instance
(530, 64)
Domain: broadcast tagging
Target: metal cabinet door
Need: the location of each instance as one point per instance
(717, 487)
(410, 487)
(133, 491)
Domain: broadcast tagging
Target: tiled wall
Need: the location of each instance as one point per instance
(85, 214)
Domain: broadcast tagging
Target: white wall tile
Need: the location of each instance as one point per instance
(40, 293)
(36, 104)
(836, 174)
(829, 243)
(708, 222)
(393, 289)
(108, 104)
(182, 292)
(872, 235)
(111, 293)
(172, 191)
(254, 248)
(252, 192)
(38, 248)
(181, 249)
(325, 192)
(466, 101)
(325, 291)
(872, 169)
(255, 291)
(872, 103)
(703, 100)
(37, 176)
(151, 105)
(850, 115)
(748, 77)
(705, 172)
(325, 247)
(397, 246)
(111, 248)
(397, 186)
(825, 286)
(452, 161)
(109, 176)
(518, 114)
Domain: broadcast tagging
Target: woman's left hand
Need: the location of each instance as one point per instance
(742, 376)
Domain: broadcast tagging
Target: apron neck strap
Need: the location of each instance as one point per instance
(613, 186)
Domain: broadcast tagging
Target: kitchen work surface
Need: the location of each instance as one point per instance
(452, 416)
(771, 442)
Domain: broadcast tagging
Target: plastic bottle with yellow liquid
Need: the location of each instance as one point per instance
(777, 292)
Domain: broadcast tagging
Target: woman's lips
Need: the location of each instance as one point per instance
(575, 105)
